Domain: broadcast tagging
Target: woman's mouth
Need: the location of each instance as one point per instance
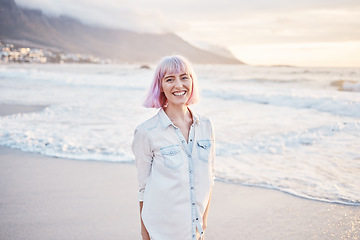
(180, 93)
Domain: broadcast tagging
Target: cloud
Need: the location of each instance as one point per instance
(112, 14)
(173, 16)
(282, 27)
(230, 23)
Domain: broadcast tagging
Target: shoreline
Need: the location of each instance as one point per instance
(290, 194)
(10, 109)
(54, 198)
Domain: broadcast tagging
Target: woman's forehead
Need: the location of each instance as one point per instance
(174, 73)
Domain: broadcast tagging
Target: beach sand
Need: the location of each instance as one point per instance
(52, 198)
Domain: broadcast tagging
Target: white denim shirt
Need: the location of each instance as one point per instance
(175, 177)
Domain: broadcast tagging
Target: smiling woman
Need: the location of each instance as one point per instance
(174, 155)
(171, 68)
(177, 88)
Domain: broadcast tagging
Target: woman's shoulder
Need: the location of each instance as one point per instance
(199, 117)
(148, 124)
(203, 119)
(205, 122)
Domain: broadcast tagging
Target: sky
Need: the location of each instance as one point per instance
(315, 33)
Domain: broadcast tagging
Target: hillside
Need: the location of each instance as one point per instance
(71, 35)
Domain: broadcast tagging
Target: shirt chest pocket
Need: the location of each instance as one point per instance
(172, 156)
(203, 148)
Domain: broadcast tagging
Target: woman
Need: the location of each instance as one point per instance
(174, 155)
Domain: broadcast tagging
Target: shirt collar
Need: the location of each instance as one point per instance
(165, 120)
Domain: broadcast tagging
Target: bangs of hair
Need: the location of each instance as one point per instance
(170, 65)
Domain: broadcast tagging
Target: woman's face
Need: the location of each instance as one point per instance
(177, 88)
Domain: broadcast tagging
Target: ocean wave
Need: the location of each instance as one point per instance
(282, 142)
(338, 199)
(334, 105)
(352, 87)
(311, 163)
(57, 148)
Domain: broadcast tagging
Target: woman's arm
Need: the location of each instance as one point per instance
(206, 213)
(212, 159)
(143, 160)
(144, 232)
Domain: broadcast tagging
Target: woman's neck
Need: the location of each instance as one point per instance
(177, 113)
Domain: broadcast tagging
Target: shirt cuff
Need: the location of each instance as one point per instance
(141, 195)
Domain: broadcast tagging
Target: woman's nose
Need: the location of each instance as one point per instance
(178, 83)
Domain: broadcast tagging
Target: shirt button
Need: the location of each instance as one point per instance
(171, 152)
(189, 156)
(183, 141)
(193, 235)
(190, 140)
(192, 187)
(193, 204)
(191, 171)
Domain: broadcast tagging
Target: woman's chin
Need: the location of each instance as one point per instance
(182, 101)
(179, 103)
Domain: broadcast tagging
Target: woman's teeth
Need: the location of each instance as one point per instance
(179, 93)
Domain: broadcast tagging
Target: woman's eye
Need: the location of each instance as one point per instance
(169, 80)
(185, 78)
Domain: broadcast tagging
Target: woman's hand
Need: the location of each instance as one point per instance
(205, 216)
(145, 236)
(204, 225)
(144, 232)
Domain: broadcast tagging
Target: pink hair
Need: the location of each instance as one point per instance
(170, 65)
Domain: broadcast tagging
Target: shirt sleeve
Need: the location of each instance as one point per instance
(212, 153)
(143, 159)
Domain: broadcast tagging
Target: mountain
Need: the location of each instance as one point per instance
(217, 49)
(71, 35)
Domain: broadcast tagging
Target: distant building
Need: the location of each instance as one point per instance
(8, 54)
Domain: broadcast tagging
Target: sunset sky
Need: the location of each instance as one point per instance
(261, 32)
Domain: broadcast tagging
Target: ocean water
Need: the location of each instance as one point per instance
(286, 128)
